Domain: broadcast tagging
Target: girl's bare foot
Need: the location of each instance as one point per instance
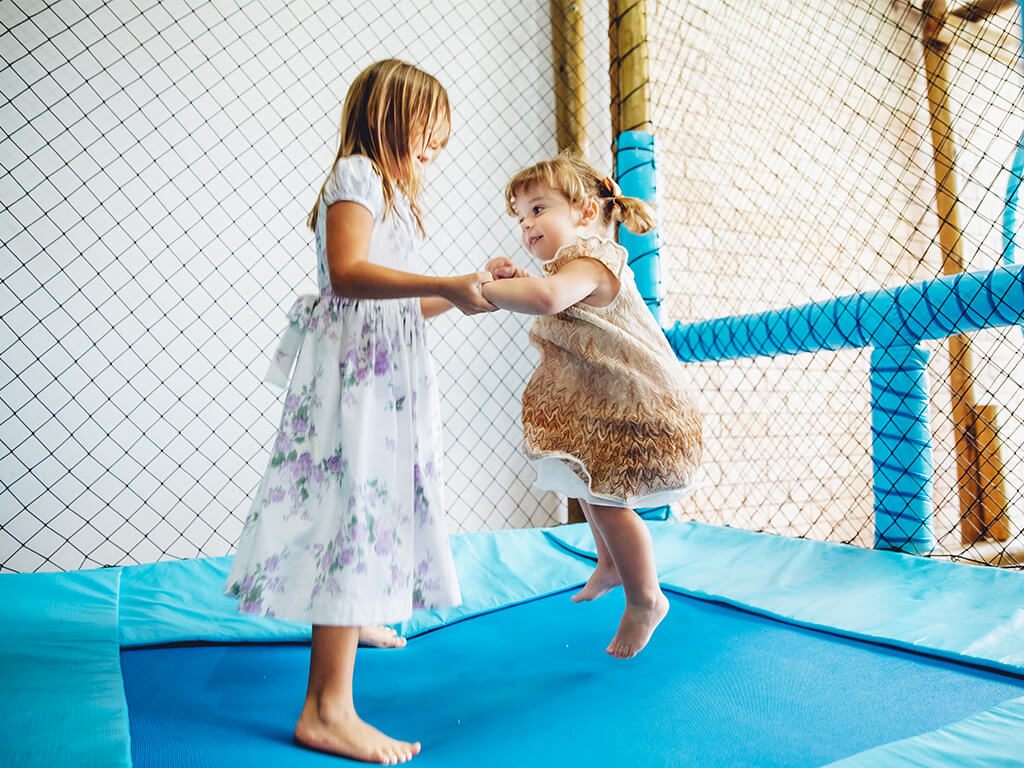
(375, 636)
(350, 737)
(604, 578)
(636, 627)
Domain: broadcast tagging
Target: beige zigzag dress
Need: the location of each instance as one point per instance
(606, 417)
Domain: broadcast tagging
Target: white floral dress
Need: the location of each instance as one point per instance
(347, 527)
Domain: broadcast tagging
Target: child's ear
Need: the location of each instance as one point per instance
(590, 211)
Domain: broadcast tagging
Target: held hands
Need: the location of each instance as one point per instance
(465, 293)
(503, 268)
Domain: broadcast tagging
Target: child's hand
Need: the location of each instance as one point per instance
(464, 292)
(502, 268)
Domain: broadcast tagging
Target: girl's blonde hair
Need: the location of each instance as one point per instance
(388, 106)
(580, 182)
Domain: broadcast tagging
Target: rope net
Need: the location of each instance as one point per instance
(798, 165)
(159, 159)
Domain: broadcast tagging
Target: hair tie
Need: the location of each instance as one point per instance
(611, 186)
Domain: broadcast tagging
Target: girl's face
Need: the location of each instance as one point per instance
(423, 150)
(548, 221)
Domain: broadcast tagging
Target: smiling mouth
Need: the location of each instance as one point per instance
(534, 239)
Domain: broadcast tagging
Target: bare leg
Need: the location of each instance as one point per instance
(629, 543)
(329, 722)
(605, 575)
(376, 636)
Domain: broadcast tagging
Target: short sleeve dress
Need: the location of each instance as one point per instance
(606, 415)
(348, 525)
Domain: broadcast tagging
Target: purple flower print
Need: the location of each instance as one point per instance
(292, 402)
(358, 533)
(246, 583)
(299, 426)
(304, 466)
(422, 568)
(381, 362)
(272, 563)
(334, 463)
(252, 606)
(275, 495)
(383, 546)
(347, 556)
(283, 443)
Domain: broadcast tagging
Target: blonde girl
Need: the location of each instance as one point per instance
(605, 415)
(347, 529)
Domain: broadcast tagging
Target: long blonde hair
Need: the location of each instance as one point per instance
(388, 105)
(580, 182)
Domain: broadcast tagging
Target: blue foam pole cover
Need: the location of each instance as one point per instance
(901, 449)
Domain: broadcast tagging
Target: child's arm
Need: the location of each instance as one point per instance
(432, 306)
(348, 229)
(576, 281)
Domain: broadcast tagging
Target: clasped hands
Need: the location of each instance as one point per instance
(466, 291)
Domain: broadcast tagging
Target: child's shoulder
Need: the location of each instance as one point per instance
(601, 249)
(353, 178)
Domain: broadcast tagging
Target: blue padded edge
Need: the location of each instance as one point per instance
(971, 614)
(63, 700)
(184, 601)
(988, 739)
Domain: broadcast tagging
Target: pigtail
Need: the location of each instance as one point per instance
(633, 212)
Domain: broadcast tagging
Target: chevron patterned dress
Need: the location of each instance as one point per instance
(606, 415)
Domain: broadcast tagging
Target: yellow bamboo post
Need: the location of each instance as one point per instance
(936, 48)
(570, 75)
(630, 20)
(990, 470)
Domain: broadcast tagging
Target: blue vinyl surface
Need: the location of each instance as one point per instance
(531, 685)
(64, 700)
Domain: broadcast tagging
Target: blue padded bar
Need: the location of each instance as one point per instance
(901, 449)
(907, 314)
(636, 167)
(637, 175)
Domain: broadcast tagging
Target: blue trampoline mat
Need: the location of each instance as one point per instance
(531, 685)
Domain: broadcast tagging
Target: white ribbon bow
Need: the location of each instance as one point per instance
(280, 370)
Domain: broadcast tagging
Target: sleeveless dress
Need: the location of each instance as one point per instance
(348, 527)
(606, 417)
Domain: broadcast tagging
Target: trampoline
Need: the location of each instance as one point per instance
(776, 652)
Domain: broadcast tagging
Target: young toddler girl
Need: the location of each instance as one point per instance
(605, 415)
(347, 528)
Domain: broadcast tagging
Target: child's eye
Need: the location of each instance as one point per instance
(537, 209)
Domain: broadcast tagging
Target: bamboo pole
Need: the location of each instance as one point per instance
(630, 18)
(570, 75)
(936, 48)
(990, 470)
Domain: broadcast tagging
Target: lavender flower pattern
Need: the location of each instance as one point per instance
(341, 530)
